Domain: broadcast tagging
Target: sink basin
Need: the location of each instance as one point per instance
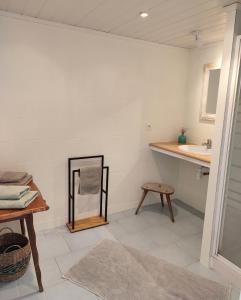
(195, 149)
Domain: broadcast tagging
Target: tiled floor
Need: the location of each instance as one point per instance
(150, 231)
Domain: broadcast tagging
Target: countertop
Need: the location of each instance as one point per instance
(173, 148)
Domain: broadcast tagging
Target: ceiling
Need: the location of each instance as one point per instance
(169, 22)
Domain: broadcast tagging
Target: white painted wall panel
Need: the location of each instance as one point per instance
(191, 190)
(68, 92)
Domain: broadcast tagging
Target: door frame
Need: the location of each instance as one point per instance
(217, 261)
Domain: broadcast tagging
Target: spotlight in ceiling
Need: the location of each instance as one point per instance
(143, 14)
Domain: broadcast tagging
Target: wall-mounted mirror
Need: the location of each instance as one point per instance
(210, 92)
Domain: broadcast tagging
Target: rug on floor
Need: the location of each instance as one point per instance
(113, 271)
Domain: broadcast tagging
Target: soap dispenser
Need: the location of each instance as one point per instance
(182, 139)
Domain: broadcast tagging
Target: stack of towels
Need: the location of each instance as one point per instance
(16, 197)
(15, 178)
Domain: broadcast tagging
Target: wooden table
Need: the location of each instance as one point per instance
(26, 214)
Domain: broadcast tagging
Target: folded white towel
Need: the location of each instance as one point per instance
(18, 204)
(13, 192)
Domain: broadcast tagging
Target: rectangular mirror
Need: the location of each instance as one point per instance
(210, 92)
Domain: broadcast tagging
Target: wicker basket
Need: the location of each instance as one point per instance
(15, 254)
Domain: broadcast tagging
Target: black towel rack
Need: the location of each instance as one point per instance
(91, 222)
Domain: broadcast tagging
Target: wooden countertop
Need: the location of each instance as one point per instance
(173, 147)
(38, 205)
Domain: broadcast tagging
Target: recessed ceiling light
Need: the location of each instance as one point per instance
(143, 14)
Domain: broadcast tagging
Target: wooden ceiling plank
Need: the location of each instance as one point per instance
(107, 14)
(215, 35)
(134, 13)
(67, 12)
(190, 24)
(203, 32)
(139, 29)
(79, 10)
(33, 7)
(4, 4)
(181, 16)
(169, 21)
(160, 15)
(17, 6)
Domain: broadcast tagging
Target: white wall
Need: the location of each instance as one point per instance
(189, 189)
(198, 130)
(67, 92)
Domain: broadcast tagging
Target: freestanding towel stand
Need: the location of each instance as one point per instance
(82, 224)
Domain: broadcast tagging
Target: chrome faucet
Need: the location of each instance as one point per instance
(208, 144)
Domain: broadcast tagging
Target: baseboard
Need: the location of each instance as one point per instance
(189, 208)
(60, 221)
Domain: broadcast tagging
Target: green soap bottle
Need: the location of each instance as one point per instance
(182, 139)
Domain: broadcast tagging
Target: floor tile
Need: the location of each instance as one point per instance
(201, 270)
(51, 245)
(33, 296)
(191, 244)
(184, 227)
(116, 229)
(50, 276)
(197, 221)
(58, 230)
(9, 291)
(160, 235)
(68, 290)
(235, 294)
(173, 254)
(133, 224)
(65, 262)
(85, 238)
(154, 218)
(151, 231)
(120, 215)
(138, 240)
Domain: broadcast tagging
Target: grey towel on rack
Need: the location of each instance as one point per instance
(6, 177)
(13, 192)
(90, 180)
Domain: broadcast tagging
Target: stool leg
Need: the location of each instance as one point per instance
(142, 199)
(22, 226)
(162, 200)
(170, 208)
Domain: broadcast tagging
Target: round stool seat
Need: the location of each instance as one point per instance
(158, 188)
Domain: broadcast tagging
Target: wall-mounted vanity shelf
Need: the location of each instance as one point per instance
(172, 149)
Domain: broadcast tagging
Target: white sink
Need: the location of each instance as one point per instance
(195, 149)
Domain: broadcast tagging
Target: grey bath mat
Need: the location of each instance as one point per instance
(116, 272)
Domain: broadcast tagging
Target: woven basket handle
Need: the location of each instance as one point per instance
(5, 251)
(8, 228)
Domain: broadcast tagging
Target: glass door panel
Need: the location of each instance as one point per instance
(230, 236)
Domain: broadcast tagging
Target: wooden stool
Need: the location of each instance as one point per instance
(162, 189)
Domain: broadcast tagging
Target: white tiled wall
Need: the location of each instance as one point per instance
(67, 92)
